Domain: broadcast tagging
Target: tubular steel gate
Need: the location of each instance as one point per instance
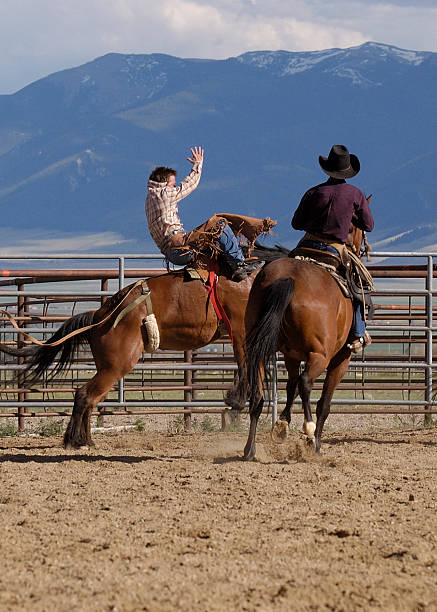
(392, 376)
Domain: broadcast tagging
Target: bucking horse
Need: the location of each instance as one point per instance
(171, 312)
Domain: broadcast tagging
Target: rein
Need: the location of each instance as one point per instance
(211, 287)
(145, 295)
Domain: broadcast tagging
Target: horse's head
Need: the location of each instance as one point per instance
(356, 239)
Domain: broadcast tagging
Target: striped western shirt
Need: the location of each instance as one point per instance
(162, 205)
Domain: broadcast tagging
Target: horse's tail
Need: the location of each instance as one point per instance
(263, 339)
(43, 356)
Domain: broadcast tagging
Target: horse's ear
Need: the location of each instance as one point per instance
(369, 198)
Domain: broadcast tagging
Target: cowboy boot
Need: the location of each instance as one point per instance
(359, 343)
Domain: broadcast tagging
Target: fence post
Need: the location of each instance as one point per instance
(429, 356)
(103, 287)
(21, 301)
(120, 286)
(188, 393)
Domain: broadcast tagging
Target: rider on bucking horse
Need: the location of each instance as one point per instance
(166, 227)
(325, 213)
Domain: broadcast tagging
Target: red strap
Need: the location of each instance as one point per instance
(218, 307)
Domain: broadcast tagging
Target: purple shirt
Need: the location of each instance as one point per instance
(329, 209)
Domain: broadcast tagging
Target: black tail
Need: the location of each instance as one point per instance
(262, 342)
(44, 356)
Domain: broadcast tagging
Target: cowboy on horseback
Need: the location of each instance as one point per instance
(325, 214)
(165, 226)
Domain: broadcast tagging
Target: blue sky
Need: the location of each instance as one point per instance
(38, 37)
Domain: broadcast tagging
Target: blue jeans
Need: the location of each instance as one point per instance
(179, 257)
(227, 242)
(358, 325)
(320, 246)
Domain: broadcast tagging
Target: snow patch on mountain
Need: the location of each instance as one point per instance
(404, 55)
(287, 62)
(345, 72)
(141, 70)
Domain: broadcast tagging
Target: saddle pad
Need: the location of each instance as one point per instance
(191, 274)
(341, 282)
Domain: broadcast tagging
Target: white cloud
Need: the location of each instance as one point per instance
(39, 243)
(37, 38)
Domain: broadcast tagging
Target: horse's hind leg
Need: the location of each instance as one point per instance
(255, 412)
(86, 398)
(335, 373)
(115, 355)
(255, 409)
(315, 365)
(75, 434)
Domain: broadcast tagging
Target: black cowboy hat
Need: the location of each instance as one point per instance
(340, 163)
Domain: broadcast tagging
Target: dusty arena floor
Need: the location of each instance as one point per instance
(149, 521)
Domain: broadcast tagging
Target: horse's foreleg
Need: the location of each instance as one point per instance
(280, 430)
(293, 376)
(335, 373)
(315, 365)
(237, 396)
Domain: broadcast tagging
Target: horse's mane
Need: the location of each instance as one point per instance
(268, 254)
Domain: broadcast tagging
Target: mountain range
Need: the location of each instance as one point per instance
(77, 146)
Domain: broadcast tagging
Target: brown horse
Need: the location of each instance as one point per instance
(297, 308)
(185, 318)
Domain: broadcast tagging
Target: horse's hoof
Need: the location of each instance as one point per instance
(232, 400)
(311, 442)
(280, 431)
(309, 428)
(71, 445)
(249, 455)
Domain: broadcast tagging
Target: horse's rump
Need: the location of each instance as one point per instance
(316, 303)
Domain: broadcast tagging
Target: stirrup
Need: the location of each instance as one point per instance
(359, 343)
(356, 345)
(242, 269)
(239, 271)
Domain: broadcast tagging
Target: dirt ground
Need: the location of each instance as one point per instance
(157, 522)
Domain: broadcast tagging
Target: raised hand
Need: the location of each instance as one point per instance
(196, 155)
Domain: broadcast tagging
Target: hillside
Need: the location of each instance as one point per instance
(76, 147)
